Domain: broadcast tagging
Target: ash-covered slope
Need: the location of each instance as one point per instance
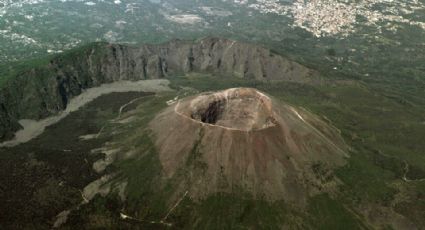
(45, 90)
(242, 141)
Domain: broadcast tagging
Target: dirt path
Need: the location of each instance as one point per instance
(32, 128)
(163, 221)
(406, 171)
(174, 207)
(125, 106)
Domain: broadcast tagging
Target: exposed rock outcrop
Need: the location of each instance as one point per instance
(45, 90)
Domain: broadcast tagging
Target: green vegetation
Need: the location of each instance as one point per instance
(383, 132)
(46, 174)
(331, 214)
(11, 70)
(40, 65)
(368, 178)
(377, 101)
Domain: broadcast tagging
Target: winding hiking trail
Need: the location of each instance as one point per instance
(175, 206)
(127, 104)
(163, 220)
(406, 171)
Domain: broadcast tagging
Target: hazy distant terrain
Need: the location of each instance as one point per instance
(358, 37)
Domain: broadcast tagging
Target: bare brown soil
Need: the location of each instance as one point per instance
(241, 140)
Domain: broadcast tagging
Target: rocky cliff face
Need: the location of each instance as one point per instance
(45, 90)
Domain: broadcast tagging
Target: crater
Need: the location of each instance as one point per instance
(237, 108)
(257, 143)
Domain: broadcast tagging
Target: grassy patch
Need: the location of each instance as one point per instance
(328, 214)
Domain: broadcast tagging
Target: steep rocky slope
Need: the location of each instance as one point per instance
(45, 90)
(241, 140)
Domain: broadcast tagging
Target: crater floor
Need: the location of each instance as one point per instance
(237, 108)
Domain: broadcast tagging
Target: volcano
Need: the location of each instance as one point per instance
(242, 141)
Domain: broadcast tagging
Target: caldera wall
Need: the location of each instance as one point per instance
(45, 90)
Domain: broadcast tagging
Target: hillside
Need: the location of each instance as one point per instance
(204, 146)
(46, 89)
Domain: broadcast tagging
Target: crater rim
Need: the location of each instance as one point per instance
(243, 109)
